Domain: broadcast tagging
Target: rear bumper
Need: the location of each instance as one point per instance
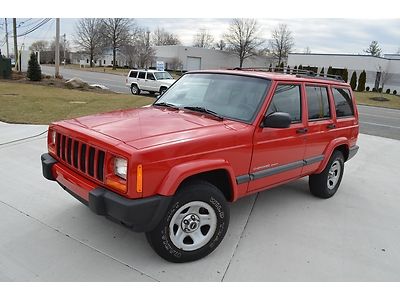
(353, 151)
(141, 215)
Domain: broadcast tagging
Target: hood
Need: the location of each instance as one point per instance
(150, 126)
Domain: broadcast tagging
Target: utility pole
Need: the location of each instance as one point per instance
(8, 50)
(65, 43)
(15, 44)
(57, 50)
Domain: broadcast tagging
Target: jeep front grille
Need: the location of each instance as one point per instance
(80, 156)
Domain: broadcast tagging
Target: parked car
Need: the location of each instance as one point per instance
(148, 80)
(171, 169)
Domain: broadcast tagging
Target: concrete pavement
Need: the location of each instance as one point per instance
(283, 234)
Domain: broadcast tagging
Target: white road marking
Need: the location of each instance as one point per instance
(382, 125)
(380, 116)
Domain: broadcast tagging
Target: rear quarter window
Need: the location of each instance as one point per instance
(343, 102)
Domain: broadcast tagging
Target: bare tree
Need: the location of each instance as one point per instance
(39, 45)
(282, 42)
(88, 35)
(307, 50)
(373, 49)
(175, 64)
(203, 39)
(243, 38)
(160, 37)
(116, 33)
(221, 45)
(139, 51)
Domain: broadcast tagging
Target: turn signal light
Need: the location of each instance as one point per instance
(139, 179)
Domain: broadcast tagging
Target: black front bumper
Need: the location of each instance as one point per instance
(141, 215)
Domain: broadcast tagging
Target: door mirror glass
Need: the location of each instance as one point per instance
(277, 120)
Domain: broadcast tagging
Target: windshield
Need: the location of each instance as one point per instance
(162, 75)
(230, 96)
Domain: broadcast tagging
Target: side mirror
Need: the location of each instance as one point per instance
(277, 120)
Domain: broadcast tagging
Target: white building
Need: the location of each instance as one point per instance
(194, 58)
(104, 60)
(380, 70)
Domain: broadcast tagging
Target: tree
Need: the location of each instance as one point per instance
(203, 39)
(282, 42)
(34, 72)
(39, 46)
(243, 38)
(116, 34)
(139, 51)
(221, 45)
(361, 81)
(353, 81)
(307, 50)
(345, 75)
(373, 49)
(160, 37)
(330, 71)
(88, 35)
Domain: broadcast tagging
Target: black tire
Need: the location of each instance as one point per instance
(200, 193)
(135, 89)
(319, 184)
(162, 90)
(151, 92)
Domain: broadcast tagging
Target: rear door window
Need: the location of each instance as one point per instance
(287, 99)
(142, 75)
(318, 102)
(343, 102)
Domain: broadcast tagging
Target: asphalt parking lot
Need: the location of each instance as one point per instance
(283, 234)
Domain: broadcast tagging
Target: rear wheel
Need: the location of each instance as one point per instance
(194, 225)
(162, 90)
(325, 184)
(135, 90)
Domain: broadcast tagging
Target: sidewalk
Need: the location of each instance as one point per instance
(283, 234)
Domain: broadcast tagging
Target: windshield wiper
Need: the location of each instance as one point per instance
(204, 110)
(165, 104)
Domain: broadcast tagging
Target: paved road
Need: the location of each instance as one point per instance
(375, 121)
(283, 234)
(114, 82)
(380, 121)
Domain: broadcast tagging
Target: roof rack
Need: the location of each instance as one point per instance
(301, 73)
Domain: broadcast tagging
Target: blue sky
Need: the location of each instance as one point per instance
(329, 35)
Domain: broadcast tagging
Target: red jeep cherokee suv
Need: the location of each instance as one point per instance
(171, 169)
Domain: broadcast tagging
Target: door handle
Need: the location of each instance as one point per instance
(302, 130)
(331, 126)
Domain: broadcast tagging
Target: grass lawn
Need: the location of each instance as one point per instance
(365, 98)
(35, 104)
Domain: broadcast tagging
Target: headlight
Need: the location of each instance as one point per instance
(120, 167)
(53, 137)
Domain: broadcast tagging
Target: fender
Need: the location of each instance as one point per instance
(179, 173)
(329, 150)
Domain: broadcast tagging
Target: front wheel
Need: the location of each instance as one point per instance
(135, 90)
(325, 184)
(163, 90)
(194, 225)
